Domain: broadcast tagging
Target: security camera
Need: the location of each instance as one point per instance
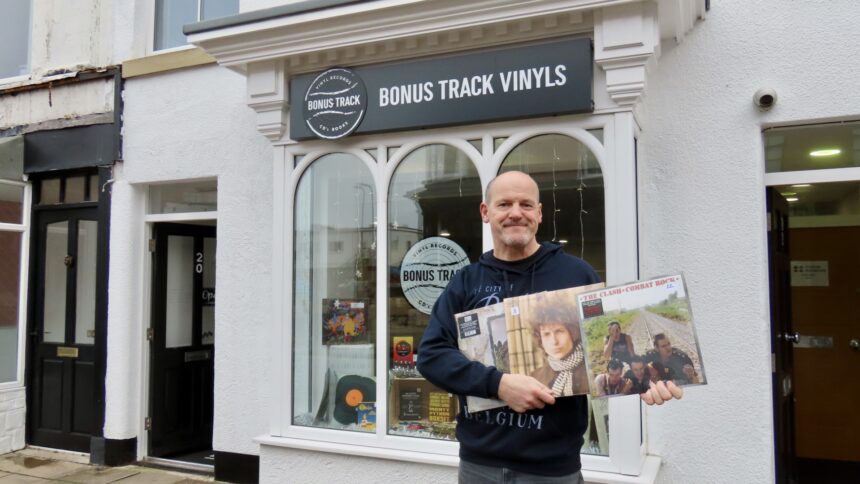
(765, 98)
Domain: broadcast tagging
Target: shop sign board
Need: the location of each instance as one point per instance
(491, 85)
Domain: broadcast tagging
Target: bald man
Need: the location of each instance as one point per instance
(536, 438)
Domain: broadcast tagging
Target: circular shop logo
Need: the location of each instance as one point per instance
(426, 269)
(335, 103)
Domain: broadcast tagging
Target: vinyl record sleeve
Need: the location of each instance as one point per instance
(647, 328)
(507, 335)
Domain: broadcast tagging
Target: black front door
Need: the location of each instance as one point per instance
(183, 340)
(62, 374)
(782, 337)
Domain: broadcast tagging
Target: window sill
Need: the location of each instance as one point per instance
(166, 61)
(359, 450)
(650, 468)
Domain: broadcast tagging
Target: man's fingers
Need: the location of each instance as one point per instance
(545, 395)
(664, 392)
(658, 399)
(647, 398)
(675, 390)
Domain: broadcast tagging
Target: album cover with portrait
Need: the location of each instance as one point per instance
(639, 333)
(537, 334)
(545, 341)
(344, 321)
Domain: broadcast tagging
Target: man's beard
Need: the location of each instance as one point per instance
(517, 240)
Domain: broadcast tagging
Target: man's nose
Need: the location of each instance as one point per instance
(516, 211)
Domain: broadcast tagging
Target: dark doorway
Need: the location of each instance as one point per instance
(182, 342)
(62, 377)
(816, 325)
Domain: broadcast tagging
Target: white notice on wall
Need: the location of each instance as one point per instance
(809, 273)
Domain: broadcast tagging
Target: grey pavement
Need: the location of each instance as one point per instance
(37, 466)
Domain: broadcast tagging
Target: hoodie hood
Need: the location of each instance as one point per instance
(511, 273)
(522, 266)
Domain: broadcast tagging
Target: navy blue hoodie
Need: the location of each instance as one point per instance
(545, 441)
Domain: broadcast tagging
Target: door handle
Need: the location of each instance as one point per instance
(793, 337)
(854, 344)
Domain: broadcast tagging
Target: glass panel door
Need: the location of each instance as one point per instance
(179, 303)
(85, 300)
(54, 304)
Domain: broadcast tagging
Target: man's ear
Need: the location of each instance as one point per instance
(540, 213)
(485, 213)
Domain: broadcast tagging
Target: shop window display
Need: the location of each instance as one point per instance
(433, 229)
(571, 195)
(431, 233)
(335, 296)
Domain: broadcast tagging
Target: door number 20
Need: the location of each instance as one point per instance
(198, 262)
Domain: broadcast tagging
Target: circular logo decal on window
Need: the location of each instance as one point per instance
(426, 269)
(335, 103)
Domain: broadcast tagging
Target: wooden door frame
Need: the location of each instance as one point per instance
(102, 208)
(157, 305)
(781, 349)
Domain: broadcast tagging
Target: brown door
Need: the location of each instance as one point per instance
(825, 298)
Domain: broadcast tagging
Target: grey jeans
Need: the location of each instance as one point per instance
(470, 473)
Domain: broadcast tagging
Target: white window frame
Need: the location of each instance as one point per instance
(616, 156)
(29, 47)
(23, 273)
(150, 30)
(145, 299)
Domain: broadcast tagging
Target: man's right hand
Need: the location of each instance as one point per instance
(523, 392)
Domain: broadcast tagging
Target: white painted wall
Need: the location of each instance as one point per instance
(702, 208)
(68, 101)
(12, 418)
(279, 465)
(183, 125)
(68, 34)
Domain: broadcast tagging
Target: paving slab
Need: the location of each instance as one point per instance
(99, 475)
(19, 479)
(37, 467)
(156, 476)
(55, 454)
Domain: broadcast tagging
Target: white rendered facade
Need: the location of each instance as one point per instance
(674, 77)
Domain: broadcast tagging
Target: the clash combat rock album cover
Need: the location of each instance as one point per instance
(640, 332)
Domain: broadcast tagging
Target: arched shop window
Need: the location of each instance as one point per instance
(334, 293)
(408, 203)
(572, 198)
(433, 230)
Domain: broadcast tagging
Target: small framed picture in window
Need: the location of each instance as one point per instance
(345, 321)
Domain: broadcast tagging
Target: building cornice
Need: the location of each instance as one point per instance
(627, 37)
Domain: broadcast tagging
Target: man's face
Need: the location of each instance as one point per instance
(556, 340)
(664, 347)
(614, 374)
(638, 369)
(512, 210)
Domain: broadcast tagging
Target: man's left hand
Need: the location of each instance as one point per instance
(661, 391)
